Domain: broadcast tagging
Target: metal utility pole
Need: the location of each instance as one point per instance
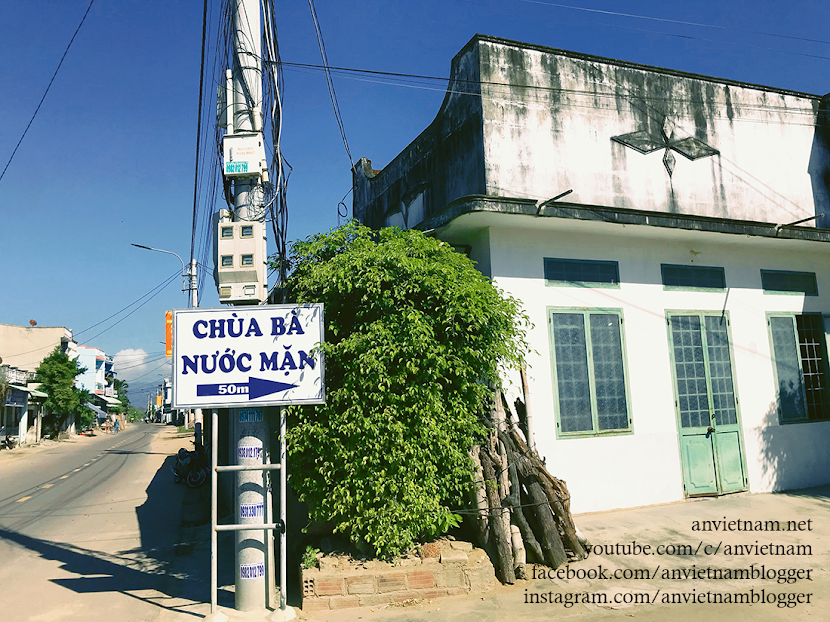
(191, 286)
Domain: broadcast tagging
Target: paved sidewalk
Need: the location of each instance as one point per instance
(681, 580)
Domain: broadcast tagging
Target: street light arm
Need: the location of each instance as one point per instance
(160, 251)
(191, 278)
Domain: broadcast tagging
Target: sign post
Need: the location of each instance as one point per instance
(248, 359)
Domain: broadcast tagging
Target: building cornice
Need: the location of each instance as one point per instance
(617, 215)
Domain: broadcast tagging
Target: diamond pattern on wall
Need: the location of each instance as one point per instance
(643, 142)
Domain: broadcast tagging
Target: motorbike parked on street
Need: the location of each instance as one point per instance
(192, 466)
(7, 441)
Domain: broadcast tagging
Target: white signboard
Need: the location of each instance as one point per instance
(264, 355)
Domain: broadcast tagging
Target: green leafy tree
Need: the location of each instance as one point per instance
(122, 387)
(4, 387)
(415, 337)
(85, 414)
(57, 373)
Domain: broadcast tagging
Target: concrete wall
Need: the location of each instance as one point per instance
(553, 132)
(771, 164)
(25, 346)
(442, 164)
(644, 468)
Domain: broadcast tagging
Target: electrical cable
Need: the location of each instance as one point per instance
(675, 21)
(148, 373)
(142, 363)
(166, 284)
(162, 284)
(513, 85)
(806, 112)
(75, 334)
(198, 133)
(332, 94)
(49, 86)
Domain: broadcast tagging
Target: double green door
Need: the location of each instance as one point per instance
(711, 446)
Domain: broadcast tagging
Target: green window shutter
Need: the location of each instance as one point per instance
(810, 328)
(787, 282)
(785, 358)
(609, 378)
(720, 370)
(693, 277)
(572, 372)
(586, 272)
(589, 371)
(690, 371)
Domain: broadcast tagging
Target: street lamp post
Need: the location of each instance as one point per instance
(190, 275)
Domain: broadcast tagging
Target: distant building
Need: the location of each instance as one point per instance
(667, 234)
(22, 349)
(93, 361)
(25, 347)
(98, 379)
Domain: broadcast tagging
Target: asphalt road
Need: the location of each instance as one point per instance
(88, 530)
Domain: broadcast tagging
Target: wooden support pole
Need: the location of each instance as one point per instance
(500, 537)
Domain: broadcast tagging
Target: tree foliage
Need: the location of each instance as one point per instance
(121, 388)
(57, 373)
(415, 337)
(5, 387)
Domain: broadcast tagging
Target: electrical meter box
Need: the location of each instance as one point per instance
(240, 259)
(244, 155)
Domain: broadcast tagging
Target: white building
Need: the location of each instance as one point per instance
(680, 292)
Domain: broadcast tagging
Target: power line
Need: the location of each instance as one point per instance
(806, 112)
(163, 283)
(142, 363)
(155, 369)
(198, 133)
(675, 21)
(54, 75)
(511, 85)
(160, 289)
(75, 334)
(332, 93)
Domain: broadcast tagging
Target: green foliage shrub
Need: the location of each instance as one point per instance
(415, 337)
(310, 558)
(57, 373)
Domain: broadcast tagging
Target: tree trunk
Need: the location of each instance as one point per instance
(481, 521)
(556, 492)
(552, 548)
(500, 537)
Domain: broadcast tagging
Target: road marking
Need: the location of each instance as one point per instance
(63, 477)
(22, 499)
(76, 470)
(47, 485)
(88, 463)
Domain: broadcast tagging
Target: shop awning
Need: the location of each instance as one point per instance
(111, 401)
(32, 392)
(101, 414)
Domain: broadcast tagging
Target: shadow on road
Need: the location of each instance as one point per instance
(103, 572)
(819, 493)
(155, 566)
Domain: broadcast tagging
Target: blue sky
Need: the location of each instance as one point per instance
(109, 159)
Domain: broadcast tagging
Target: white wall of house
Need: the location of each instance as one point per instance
(644, 467)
